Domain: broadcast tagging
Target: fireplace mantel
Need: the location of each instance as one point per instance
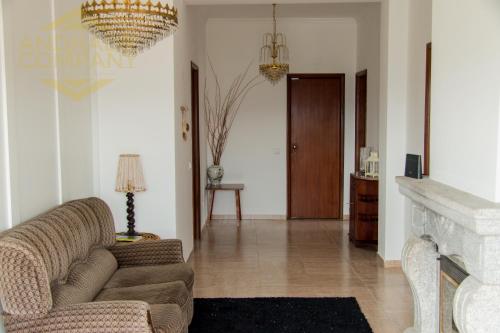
(479, 215)
(447, 221)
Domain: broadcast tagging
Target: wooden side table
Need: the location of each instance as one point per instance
(212, 189)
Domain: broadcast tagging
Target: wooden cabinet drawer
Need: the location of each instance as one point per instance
(363, 224)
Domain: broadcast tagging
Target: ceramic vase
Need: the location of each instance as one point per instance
(215, 174)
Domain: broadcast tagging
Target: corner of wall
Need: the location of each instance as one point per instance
(5, 188)
(394, 53)
(183, 148)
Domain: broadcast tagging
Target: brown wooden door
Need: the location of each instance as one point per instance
(195, 127)
(315, 145)
(427, 130)
(361, 106)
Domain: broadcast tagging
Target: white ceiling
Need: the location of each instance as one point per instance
(356, 10)
(266, 2)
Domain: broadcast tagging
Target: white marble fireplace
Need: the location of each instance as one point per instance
(447, 221)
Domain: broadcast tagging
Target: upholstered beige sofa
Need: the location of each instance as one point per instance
(63, 272)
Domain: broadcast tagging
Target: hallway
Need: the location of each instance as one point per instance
(299, 259)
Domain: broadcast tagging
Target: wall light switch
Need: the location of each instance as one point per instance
(190, 165)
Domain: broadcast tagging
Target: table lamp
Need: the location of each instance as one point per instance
(130, 180)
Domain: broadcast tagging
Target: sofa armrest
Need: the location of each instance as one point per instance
(96, 317)
(149, 253)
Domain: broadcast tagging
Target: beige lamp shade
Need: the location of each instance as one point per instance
(130, 178)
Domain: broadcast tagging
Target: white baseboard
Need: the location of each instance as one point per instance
(249, 217)
(388, 263)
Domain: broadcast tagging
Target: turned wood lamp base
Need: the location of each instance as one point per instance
(131, 215)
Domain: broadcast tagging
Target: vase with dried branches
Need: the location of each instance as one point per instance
(221, 109)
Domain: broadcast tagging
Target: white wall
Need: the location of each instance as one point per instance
(419, 34)
(199, 41)
(49, 134)
(61, 106)
(368, 18)
(465, 122)
(138, 111)
(5, 215)
(31, 108)
(183, 149)
(136, 115)
(393, 121)
(74, 101)
(369, 58)
(256, 151)
(188, 47)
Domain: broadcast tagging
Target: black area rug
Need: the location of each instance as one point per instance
(278, 315)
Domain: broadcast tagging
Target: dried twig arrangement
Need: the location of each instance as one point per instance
(221, 111)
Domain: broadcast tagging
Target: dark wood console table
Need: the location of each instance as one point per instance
(363, 215)
(212, 189)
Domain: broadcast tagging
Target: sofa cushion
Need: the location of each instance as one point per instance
(140, 275)
(167, 318)
(161, 293)
(85, 280)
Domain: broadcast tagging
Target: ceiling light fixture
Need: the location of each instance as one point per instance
(127, 25)
(274, 54)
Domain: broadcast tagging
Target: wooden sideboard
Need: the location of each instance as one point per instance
(363, 212)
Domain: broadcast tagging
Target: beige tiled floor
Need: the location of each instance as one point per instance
(302, 259)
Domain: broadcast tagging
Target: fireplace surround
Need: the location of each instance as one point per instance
(449, 222)
(452, 274)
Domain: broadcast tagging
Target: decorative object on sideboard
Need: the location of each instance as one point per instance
(413, 167)
(364, 154)
(129, 26)
(130, 180)
(274, 55)
(185, 124)
(372, 165)
(220, 113)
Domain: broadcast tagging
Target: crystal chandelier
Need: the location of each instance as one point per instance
(130, 26)
(274, 54)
